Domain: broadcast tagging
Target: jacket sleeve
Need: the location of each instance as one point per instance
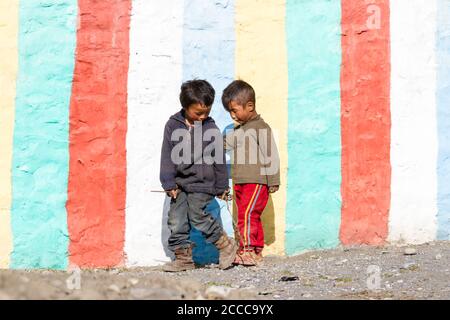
(221, 171)
(168, 169)
(221, 177)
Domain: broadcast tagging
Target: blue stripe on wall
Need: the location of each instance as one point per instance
(208, 53)
(313, 210)
(443, 109)
(40, 153)
(209, 47)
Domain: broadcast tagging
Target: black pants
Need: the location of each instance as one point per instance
(189, 209)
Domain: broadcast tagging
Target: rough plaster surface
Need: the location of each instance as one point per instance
(414, 129)
(443, 102)
(365, 122)
(153, 85)
(41, 157)
(9, 21)
(98, 126)
(313, 211)
(261, 59)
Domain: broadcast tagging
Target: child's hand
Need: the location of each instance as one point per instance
(273, 189)
(224, 196)
(173, 193)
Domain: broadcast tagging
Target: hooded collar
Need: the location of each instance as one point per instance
(180, 116)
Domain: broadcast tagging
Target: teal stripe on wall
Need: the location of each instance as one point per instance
(313, 210)
(47, 37)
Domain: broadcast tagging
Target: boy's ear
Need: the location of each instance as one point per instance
(250, 105)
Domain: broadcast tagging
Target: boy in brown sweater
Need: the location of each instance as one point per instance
(255, 168)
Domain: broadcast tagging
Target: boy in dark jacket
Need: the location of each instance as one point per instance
(193, 171)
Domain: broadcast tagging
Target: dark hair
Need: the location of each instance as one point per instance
(197, 91)
(239, 91)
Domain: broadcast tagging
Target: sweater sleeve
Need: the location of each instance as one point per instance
(228, 139)
(269, 152)
(168, 169)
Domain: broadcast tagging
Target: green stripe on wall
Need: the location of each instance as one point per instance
(313, 211)
(40, 155)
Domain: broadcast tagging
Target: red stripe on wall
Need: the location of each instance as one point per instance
(365, 121)
(98, 126)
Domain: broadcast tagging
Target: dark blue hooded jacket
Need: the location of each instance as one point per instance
(190, 177)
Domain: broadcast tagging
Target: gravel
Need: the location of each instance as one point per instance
(357, 272)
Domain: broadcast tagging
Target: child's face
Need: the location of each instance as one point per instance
(197, 112)
(241, 113)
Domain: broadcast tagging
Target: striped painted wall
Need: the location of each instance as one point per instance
(357, 92)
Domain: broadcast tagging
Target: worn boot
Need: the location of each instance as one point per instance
(227, 251)
(183, 261)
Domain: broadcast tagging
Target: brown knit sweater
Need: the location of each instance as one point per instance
(254, 156)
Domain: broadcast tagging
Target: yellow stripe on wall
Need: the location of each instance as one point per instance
(261, 60)
(9, 22)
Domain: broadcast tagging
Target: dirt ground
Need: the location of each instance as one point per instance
(391, 272)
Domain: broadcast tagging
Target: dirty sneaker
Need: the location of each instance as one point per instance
(248, 257)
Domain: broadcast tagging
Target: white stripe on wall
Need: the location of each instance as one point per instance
(153, 87)
(414, 125)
